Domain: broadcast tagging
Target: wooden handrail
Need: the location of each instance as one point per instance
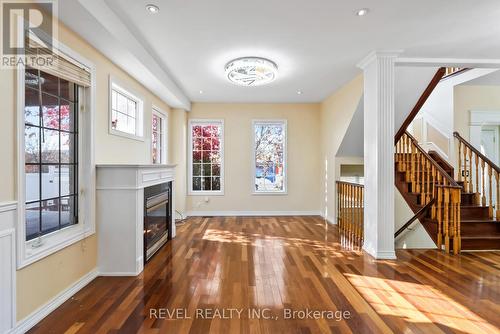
(421, 101)
(419, 214)
(476, 151)
(451, 180)
(350, 183)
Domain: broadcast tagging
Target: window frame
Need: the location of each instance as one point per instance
(164, 135)
(284, 123)
(123, 89)
(191, 123)
(52, 242)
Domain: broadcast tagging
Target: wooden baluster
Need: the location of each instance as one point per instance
(341, 212)
(446, 221)
(477, 197)
(471, 186)
(440, 217)
(422, 177)
(466, 183)
(349, 226)
(358, 216)
(453, 220)
(351, 192)
(412, 167)
(459, 161)
(483, 191)
(358, 210)
(408, 161)
(490, 192)
(458, 234)
(498, 198)
(434, 180)
(403, 153)
(417, 175)
(429, 171)
(398, 153)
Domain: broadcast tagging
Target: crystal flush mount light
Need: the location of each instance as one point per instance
(251, 71)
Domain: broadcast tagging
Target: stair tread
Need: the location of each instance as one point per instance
(473, 237)
(469, 220)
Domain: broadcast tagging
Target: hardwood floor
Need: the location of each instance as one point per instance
(275, 265)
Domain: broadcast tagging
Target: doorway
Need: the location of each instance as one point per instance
(489, 142)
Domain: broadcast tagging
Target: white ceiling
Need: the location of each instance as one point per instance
(315, 43)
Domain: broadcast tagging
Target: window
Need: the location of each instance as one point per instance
(126, 112)
(159, 137)
(206, 157)
(269, 157)
(51, 153)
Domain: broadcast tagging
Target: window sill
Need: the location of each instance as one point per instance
(52, 243)
(125, 135)
(206, 193)
(270, 193)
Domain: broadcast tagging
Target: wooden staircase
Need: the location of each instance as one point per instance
(448, 209)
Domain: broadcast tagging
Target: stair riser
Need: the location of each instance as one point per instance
(480, 244)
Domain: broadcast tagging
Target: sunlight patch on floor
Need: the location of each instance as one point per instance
(418, 303)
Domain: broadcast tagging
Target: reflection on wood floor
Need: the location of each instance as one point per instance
(268, 266)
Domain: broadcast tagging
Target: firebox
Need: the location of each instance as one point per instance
(157, 218)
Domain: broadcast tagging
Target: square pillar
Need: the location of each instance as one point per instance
(378, 68)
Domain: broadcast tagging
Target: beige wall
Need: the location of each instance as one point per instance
(302, 157)
(335, 115)
(478, 98)
(7, 136)
(41, 281)
(178, 147)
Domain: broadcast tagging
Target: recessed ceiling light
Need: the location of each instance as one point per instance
(362, 11)
(152, 9)
(251, 71)
(201, 92)
(299, 92)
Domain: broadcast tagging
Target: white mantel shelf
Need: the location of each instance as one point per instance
(120, 214)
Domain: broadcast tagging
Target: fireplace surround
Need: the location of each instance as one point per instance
(122, 215)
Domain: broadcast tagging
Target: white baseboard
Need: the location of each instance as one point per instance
(118, 273)
(330, 219)
(34, 318)
(252, 213)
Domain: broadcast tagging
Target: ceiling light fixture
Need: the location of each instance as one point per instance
(299, 92)
(362, 11)
(251, 71)
(152, 8)
(201, 92)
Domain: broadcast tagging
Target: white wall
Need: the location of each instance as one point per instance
(416, 236)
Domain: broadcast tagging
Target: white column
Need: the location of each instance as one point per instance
(378, 68)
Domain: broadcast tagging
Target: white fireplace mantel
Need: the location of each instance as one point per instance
(120, 214)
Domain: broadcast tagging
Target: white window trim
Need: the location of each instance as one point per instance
(192, 192)
(282, 122)
(118, 85)
(164, 148)
(55, 241)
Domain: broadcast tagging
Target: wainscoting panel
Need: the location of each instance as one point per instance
(7, 280)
